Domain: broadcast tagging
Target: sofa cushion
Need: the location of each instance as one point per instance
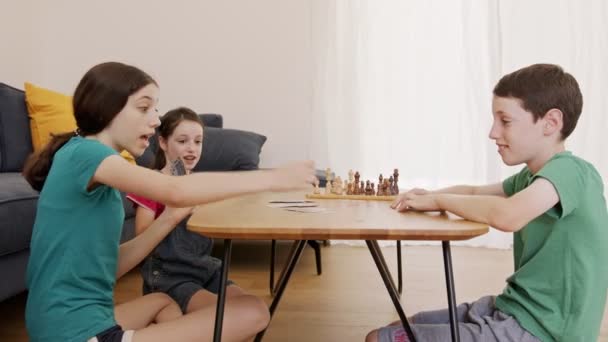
(50, 113)
(227, 149)
(15, 137)
(147, 158)
(17, 212)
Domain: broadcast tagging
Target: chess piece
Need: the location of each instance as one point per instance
(349, 189)
(362, 188)
(373, 190)
(368, 188)
(328, 187)
(337, 187)
(356, 189)
(351, 176)
(328, 181)
(316, 191)
(396, 181)
(385, 187)
(380, 179)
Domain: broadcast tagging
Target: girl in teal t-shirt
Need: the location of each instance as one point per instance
(75, 252)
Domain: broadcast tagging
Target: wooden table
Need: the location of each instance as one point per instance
(249, 217)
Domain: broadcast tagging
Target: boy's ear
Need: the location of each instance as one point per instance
(553, 121)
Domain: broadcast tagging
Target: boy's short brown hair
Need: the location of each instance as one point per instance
(542, 87)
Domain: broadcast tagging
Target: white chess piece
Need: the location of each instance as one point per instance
(338, 187)
(328, 187)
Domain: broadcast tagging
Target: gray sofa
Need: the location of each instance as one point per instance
(223, 150)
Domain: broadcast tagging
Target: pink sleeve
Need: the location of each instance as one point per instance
(143, 202)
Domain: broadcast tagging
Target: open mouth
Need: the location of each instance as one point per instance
(189, 158)
(145, 138)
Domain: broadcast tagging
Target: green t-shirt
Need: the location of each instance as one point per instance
(74, 249)
(558, 290)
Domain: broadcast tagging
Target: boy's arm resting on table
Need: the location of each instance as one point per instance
(490, 189)
(505, 214)
(199, 188)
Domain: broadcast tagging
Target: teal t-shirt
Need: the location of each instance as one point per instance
(558, 290)
(74, 248)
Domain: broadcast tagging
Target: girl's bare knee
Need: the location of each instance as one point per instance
(372, 336)
(257, 312)
(168, 308)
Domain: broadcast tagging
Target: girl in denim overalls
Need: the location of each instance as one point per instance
(181, 266)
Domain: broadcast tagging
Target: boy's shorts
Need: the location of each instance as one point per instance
(479, 321)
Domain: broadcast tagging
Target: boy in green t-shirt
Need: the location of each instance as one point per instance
(554, 206)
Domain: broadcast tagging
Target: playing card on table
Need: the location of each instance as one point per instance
(307, 209)
(292, 204)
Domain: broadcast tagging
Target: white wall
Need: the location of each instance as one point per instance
(248, 60)
(16, 44)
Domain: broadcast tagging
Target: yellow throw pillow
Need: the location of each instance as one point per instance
(51, 112)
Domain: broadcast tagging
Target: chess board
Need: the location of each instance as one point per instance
(351, 197)
(354, 188)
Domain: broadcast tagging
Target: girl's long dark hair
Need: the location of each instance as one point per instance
(101, 94)
(168, 122)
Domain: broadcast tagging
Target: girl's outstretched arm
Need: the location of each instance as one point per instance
(199, 188)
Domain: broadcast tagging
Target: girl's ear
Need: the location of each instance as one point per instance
(162, 143)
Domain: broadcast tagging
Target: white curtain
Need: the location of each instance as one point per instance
(408, 84)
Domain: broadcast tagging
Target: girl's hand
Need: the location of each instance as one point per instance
(412, 201)
(177, 214)
(293, 176)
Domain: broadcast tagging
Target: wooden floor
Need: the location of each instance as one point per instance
(344, 303)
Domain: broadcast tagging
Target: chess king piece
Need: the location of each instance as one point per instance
(396, 181)
(356, 189)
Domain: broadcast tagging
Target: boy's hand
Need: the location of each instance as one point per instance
(412, 201)
(293, 176)
(398, 203)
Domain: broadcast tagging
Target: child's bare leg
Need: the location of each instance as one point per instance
(141, 312)
(257, 313)
(205, 298)
(199, 325)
